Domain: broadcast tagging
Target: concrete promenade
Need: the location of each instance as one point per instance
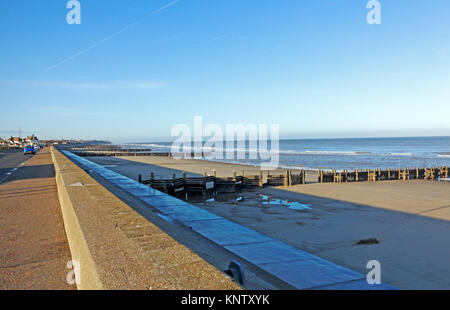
(52, 212)
(295, 267)
(119, 249)
(33, 246)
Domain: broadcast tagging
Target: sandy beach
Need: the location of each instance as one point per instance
(410, 219)
(200, 166)
(165, 167)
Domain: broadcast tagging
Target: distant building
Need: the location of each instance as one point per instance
(17, 141)
(33, 140)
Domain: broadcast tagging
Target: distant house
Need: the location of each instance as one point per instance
(33, 140)
(16, 141)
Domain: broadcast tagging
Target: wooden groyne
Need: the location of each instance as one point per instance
(374, 175)
(119, 153)
(114, 151)
(132, 152)
(208, 183)
(110, 150)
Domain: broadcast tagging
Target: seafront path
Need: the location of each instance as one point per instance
(34, 250)
(52, 213)
(118, 248)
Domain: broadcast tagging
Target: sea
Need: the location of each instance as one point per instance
(339, 154)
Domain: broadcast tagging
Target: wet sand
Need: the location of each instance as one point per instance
(413, 231)
(411, 220)
(200, 167)
(164, 167)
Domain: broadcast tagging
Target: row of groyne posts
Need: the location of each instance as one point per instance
(120, 152)
(117, 152)
(210, 182)
(373, 175)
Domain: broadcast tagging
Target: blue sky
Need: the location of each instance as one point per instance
(314, 67)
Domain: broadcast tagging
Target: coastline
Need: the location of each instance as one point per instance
(340, 154)
(200, 166)
(411, 219)
(165, 167)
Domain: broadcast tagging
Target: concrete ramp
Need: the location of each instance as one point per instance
(297, 268)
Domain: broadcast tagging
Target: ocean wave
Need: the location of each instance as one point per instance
(399, 154)
(187, 149)
(352, 153)
(265, 164)
(269, 151)
(298, 168)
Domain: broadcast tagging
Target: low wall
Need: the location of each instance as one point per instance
(78, 245)
(119, 249)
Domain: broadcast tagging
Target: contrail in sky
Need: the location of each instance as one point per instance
(111, 36)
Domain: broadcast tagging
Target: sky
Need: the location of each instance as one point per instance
(133, 69)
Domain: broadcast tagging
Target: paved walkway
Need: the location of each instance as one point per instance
(33, 244)
(295, 267)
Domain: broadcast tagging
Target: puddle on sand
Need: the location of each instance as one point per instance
(227, 200)
(266, 200)
(294, 205)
